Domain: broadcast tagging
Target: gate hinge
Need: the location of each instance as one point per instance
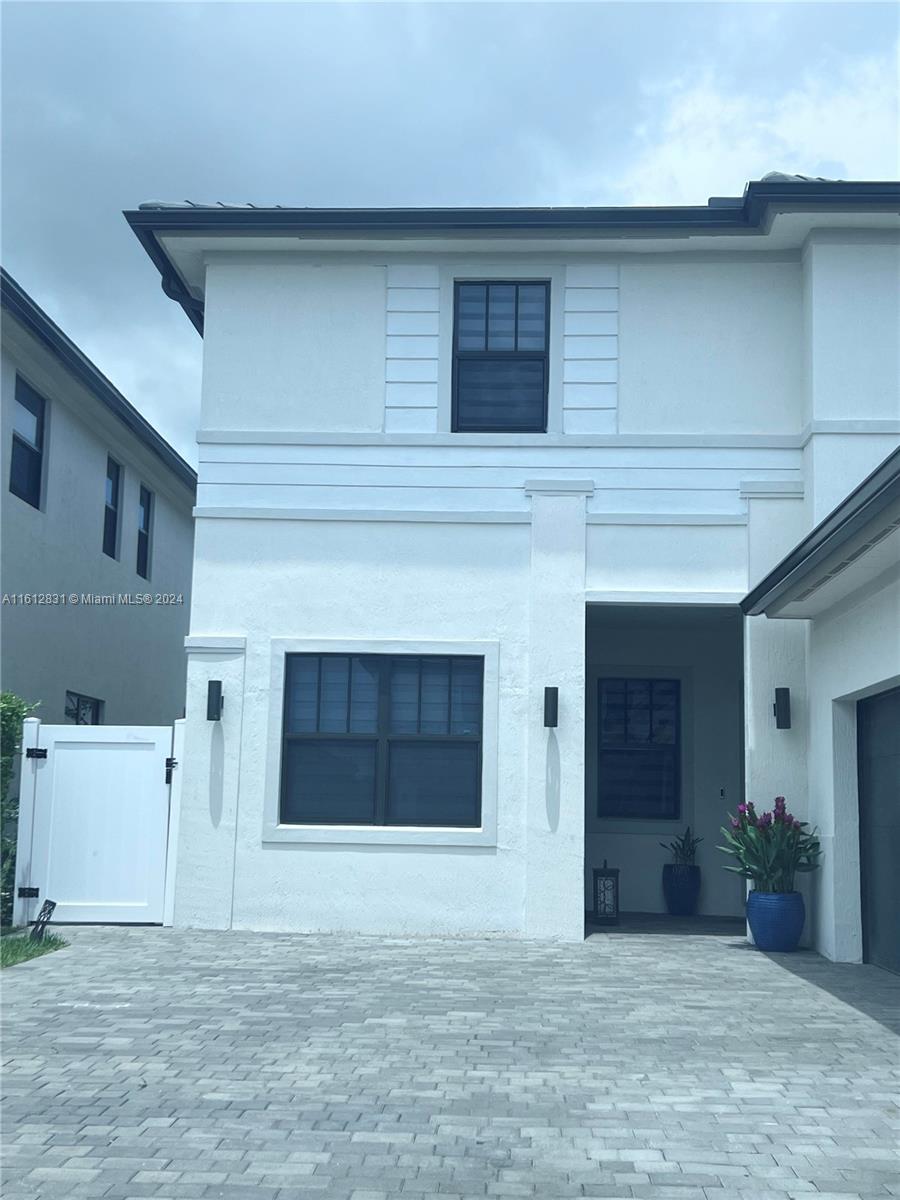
(28, 893)
(36, 752)
(171, 764)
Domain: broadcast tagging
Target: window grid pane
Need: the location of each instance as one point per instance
(638, 750)
(424, 715)
(500, 373)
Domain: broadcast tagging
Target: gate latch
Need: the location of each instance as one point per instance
(36, 752)
(171, 764)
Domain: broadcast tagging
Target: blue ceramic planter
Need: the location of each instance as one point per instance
(776, 919)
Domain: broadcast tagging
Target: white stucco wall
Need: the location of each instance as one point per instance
(129, 657)
(290, 344)
(710, 346)
(422, 585)
(335, 503)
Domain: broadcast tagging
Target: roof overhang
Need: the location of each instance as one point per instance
(18, 305)
(178, 238)
(856, 547)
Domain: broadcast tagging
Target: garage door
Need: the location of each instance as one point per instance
(878, 722)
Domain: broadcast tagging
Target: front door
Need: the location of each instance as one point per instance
(878, 725)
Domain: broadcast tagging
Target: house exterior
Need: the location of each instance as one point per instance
(96, 510)
(452, 458)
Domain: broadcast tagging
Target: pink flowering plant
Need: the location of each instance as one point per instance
(770, 847)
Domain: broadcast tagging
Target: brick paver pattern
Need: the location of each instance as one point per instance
(152, 1062)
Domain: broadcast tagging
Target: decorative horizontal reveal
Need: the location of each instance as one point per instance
(411, 349)
(590, 349)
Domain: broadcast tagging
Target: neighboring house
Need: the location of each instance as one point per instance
(450, 458)
(96, 507)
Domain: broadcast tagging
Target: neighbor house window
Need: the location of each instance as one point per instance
(500, 370)
(83, 710)
(145, 513)
(638, 763)
(27, 460)
(111, 511)
(382, 740)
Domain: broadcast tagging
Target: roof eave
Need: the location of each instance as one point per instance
(876, 492)
(749, 216)
(16, 301)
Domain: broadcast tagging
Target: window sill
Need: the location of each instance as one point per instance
(380, 835)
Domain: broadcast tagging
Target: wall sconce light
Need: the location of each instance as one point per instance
(214, 700)
(551, 707)
(782, 708)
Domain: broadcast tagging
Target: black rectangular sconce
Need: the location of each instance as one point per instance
(782, 708)
(214, 700)
(551, 707)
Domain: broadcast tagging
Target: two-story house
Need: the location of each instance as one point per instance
(453, 459)
(96, 517)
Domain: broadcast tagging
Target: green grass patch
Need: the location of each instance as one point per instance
(20, 948)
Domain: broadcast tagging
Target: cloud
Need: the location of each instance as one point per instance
(702, 137)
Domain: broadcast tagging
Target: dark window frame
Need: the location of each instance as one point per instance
(487, 355)
(32, 401)
(608, 811)
(144, 533)
(111, 511)
(76, 700)
(383, 739)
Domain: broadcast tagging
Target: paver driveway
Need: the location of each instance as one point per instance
(150, 1062)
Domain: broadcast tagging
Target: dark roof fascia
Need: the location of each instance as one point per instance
(748, 215)
(16, 301)
(874, 494)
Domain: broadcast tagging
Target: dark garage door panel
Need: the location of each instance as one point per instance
(878, 721)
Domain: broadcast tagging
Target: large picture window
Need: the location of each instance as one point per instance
(638, 764)
(500, 335)
(382, 740)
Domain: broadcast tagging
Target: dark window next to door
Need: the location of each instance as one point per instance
(83, 710)
(638, 760)
(500, 371)
(27, 459)
(382, 740)
(111, 510)
(145, 514)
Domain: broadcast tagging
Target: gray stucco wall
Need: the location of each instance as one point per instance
(131, 657)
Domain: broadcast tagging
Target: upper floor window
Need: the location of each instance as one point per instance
(500, 373)
(111, 512)
(145, 516)
(382, 740)
(27, 461)
(83, 710)
(638, 761)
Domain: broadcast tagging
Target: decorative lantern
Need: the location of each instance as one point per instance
(606, 895)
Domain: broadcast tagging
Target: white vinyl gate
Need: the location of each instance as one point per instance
(94, 822)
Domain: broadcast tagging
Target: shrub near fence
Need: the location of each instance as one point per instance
(13, 711)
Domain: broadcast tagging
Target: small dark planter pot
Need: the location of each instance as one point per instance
(776, 919)
(681, 888)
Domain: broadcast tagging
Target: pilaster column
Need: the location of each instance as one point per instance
(554, 886)
(204, 884)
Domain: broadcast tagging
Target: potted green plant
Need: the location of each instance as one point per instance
(681, 877)
(770, 848)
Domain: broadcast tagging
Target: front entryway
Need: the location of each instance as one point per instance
(878, 725)
(93, 822)
(663, 749)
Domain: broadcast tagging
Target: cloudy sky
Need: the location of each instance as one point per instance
(107, 104)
